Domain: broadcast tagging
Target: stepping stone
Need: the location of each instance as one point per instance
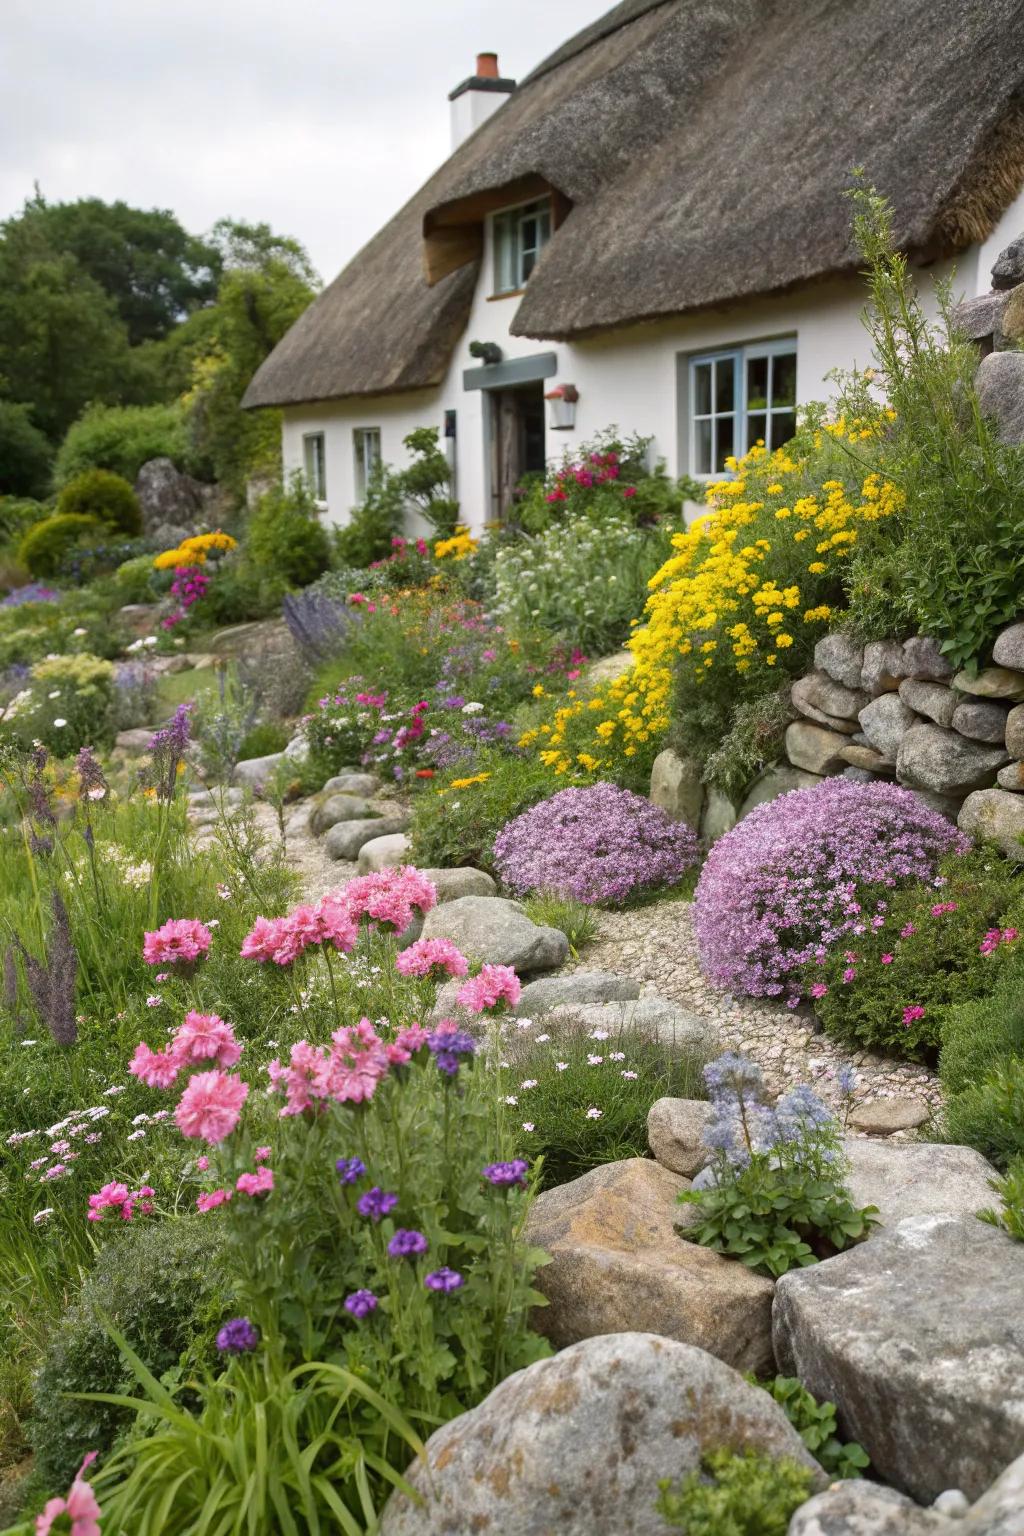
(665, 1021)
(346, 839)
(918, 1336)
(497, 932)
(384, 853)
(881, 1117)
(579, 987)
(328, 810)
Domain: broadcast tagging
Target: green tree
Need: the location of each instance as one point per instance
(24, 452)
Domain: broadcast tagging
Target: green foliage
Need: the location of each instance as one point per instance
(24, 452)
(1009, 1217)
(133, 580)
(952, 554)
(736, 1494)
(817, 1427)
(983, 1032)
(753, 741)
(455, 822)
(163, 1286)
(35, 630)
(71, 704)
(241, 590)
(99, 493)
(121, 438)
(989, 1116)
(935, 955)
(576, 920)
(47, 543)
(426, 483)
(590, 481)
(264, 739)
(378, 519)
(286, 536)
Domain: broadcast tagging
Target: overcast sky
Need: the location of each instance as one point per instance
(318, 116)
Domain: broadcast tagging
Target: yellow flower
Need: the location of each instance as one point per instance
(538, 690)
(783, 641)
(478, 778)
(816, 567)
(459, 546)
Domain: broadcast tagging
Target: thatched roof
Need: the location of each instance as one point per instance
(699, 150)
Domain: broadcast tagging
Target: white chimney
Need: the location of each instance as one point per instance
(473, 102)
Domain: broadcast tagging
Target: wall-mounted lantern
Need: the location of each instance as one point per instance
(562, 407)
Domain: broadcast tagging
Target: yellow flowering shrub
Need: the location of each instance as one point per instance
(195, 550)
(738, 606)
(458, 546)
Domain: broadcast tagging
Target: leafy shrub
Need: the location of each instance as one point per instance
(576, 920)
(583, 1097)
(456, 822)
(100, 494)
(25, 452)
(982, 1033)
(754, 741)
(162, 1286)
(921, 949)
(133, 579)
(773, 1195)
(286, 537)
(86, 561)
(241, 590)
(602, 478)
(426, 482)
(598, 844)
(47, 544)
(121, 438)
(736, 1494)
(69, 704)
(817, 1427)
(263, 740)
(990, 1115)
(372, 525)
(779, 890)
(1009, 1216)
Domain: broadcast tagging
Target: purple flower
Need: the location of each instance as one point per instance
(503, 1175)
(375, 1203)
(237, 1337)
(447, 1045)
(598, 844)
(360, 1304)
(443, 1279)
(406, 1243)
(350, 1169)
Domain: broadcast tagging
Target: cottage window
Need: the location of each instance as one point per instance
(520, 234)
(315, 462)
(738, 398)
(366, 442)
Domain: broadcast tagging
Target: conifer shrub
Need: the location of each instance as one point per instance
(105, 496)
(47, 543)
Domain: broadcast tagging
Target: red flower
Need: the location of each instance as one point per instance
(424, 773)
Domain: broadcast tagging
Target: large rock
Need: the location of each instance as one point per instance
(814, 748)
(1000, 385)
(135, 740)
(718, 816)
(1013, 320)
(859, 1508)
(167, 496)
(496, 931)
(465, 881)
(617, 1262)
(347, 839)
(1012, 777)
(993, 682)
(675, 1134)
(922, 658)
(885, 666)
(353, 782)
(868, 759)
(821, 692)
(1000, 1510)
(981, 721)
(383, 853)
(677, 787)
(981, 320)
(1015, 731)
(576, 1445)
(935, 700)
(674, 1027)
(328, 810)
(842, 658)
(1008, 268)
(918, 1336)
(913, 1178)
(574, 990)
(774, 782)
(606, 669)
(255, 772)
(885, 722)
(994, 816)
(884, 1117)
(944, 761)
(1008, 650)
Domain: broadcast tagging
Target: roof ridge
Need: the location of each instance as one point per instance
(612, 21)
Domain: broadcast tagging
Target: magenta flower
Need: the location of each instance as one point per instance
(210, 1107)
(211, 1200)
(912, 1014)
(429, 955)
(888, 959)
(495, 984)
(259, 1183)
(181, 943)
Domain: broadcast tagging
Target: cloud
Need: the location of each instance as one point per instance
(320, 117)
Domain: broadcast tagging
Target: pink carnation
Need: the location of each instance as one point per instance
(495, 984)
(216, 1197)
(181, 942)
(157, 1069)
(261, 1154)
(259, 1183)
(110, 1197)
(390, 895)
(80, 1506)
(205, 1037)
(210, 1106)
(262, 940)
(427, 955)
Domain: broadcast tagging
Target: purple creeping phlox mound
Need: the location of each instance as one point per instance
(780, 889)
(594, 844)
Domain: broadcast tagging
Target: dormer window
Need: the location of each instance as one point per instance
(520, 234)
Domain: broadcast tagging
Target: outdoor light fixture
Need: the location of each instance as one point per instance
(562, 407)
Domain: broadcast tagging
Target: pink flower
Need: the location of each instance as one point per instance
(202, 1163)
(263, 939)
(887, 959)
(819, 989)
(1009, 934)
(259, 1183)
(944, 906)
(80, 1506)
(261, 1154)
(629, 490)
(205, 1037)
(911, 1015)
(110, 1197)
(390, 896)
(495, 984)
(210, 1106)
(210, 1202)
(428, 955)
(849, 974)
(338, 926)
(180, 943)
(405, 1044)
(908, 931)
(157, 1069)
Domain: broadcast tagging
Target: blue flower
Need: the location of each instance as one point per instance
(350, 1169)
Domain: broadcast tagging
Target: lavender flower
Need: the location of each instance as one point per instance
(91, 783)
(447, 1046)
(846, 1079)
(504, 1175)
(375, 1203)
(406, 1243)
(350, 1169)
(443, 1279)
(360, 1304)
(598, 844)
(167, 748)
(237, 1337)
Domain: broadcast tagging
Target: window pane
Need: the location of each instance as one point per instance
(723, 444)
(724, 384)
(702, 447)
(702, 389)
(757, 383)
(755, 428)
(783, 427)
(784, 379)
(506, 230)
(526, 266)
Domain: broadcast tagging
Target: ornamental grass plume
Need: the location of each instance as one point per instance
(780, 889)
(51, 981)
(594, 844)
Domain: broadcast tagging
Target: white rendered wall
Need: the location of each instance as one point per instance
(1010, 226)
(628, 378)
(470, 109)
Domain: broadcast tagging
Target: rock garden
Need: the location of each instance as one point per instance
(527, 1034)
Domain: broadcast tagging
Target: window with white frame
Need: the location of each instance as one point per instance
(520, 234)
(366, 444)
(740, 397)
(315, 463)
